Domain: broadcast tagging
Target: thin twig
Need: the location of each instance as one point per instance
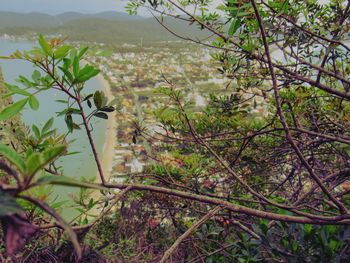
(185, 235)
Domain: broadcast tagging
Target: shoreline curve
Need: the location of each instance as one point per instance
(107, 154)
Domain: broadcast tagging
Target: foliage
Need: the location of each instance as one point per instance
(277, 142)
(272, 156)
(59, 67)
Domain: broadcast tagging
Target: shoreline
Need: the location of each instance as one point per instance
(107, 153)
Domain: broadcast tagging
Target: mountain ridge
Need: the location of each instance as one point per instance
(9, 18)
(105, 27)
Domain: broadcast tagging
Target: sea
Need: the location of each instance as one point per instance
(78, 166)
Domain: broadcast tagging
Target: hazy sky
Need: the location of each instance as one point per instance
(59, 6)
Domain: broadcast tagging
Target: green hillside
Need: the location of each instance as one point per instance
(99, 27)
(34, 19)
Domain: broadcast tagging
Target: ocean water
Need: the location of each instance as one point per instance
(78, 165)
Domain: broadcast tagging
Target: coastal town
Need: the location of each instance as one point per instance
(135, 74)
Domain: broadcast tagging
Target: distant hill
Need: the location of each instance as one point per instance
(10, 19)
(107, 27)
(109, 15)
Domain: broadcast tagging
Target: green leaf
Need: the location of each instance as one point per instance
(47, 125)
(17, 90)
(234, 26)
(52, 153)
(248, 47)
(107, 109)
(101, 115)
(12, 110)
(82, 52)
(37, 161)
(8, 205)
(13, 157)
(61, 52)
(36, 76)
(66, 63)
(62, 101)
(241, 14)
(67, 181)
(76, 126)
(76, 66)
(91, 203)
(88, 97)
(36, 131)
(89, 103)
(34, 164)
(67, 74)
(333, 245)
(69, 111)
(295, 246)
(87, 73)
(72, 153)
(33, 103)
(98, 99)
(69, 121)
(37, 52)
(47, 134)
(308, 229)
(26, 82)
(45, 46)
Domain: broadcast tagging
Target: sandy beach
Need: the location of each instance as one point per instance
(107, 154)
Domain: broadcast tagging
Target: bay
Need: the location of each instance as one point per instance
(78, 165)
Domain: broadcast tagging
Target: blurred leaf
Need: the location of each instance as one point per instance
(67, 74)
(61, 52)
(236, 23)
(76, 66)
(98, 98)
(82, 52)
(69, 121)
(86, 73)
(88, 97)
(16, 90)
(13, 157)
(45, 46)
(48, 125)
(33, 103)
(26, 82)
(107, 109)
(89, 104)
(76, 126)
(52, 153)
(8, 205)
(37, 161)
(36, 76)
(62, 101)
(36, 131)
(12, 110)
(33, 164)
(101, 115)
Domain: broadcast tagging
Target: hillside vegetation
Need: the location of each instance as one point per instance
(106, 27)
(243, 159)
